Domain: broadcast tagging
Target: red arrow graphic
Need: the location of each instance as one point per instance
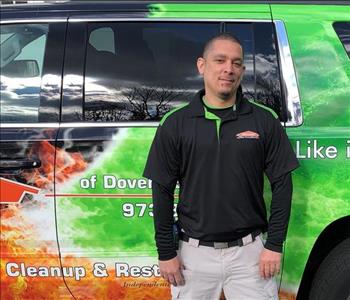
(13, 192)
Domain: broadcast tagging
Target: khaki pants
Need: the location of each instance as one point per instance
(235, 270)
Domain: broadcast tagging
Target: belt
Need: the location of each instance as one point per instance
(220, 245)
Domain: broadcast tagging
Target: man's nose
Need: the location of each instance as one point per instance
(228, 68)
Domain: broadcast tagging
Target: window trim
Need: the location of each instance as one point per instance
(289, 87)
(80, 124)
(34, 20)
(92, 19)
(334, 24)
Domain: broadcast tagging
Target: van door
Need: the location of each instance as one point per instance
(105, 224)
(31, 64)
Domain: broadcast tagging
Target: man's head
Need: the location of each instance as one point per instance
(222, 66)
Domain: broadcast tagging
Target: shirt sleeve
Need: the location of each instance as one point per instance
(163, 214)
(163, 159)
(162, 168)
(279, 154)
(279, 212)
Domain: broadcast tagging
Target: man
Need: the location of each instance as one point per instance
(218, 147)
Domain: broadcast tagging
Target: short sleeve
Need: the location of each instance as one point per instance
(162, 165)
(280, 157)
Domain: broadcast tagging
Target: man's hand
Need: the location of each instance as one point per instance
(170, 270)
(270, 262)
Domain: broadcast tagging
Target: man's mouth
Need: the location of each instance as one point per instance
(227, 80)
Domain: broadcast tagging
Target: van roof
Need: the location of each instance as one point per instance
(140, 5)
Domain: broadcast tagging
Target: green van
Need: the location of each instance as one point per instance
(83, 87)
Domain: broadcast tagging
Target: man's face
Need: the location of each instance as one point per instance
(222, 68)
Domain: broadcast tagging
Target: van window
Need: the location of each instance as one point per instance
(22, 55)
(343, 31)
(153, 68)
(262, 83)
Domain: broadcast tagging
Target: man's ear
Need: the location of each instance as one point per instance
(200, 65)
(243, 71)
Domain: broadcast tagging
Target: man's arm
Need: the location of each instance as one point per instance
(163, 214)
(163, 168)
(280, 161)
(282, 189)
(277, 229)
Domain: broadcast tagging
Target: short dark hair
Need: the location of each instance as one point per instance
(221, 36)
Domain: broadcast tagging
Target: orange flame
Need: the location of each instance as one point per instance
(89, 287)
(15, 228)
(23, 288)
(67, 164)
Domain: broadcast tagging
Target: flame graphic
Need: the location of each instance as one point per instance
(17, 228)
(11, 251)
(284, 295)
(67, 164)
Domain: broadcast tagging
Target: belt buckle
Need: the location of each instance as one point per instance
(193, 242)
(220, 245)
(247, 239)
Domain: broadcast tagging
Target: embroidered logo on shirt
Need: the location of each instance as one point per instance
(247, 135)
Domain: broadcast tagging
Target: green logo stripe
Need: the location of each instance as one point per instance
(211, 116)
(265, 107)
(171, 112)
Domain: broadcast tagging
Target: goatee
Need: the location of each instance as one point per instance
(225, 96)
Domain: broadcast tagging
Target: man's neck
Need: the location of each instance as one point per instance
(214, 101)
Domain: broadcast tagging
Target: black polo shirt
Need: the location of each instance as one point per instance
(220, 164)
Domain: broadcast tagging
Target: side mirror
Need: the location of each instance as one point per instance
(21, 69)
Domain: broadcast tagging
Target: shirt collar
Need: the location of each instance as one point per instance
(196, 106)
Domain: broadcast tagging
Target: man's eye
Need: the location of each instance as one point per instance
(219, 60)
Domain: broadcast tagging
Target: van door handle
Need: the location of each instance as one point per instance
(20, 163)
